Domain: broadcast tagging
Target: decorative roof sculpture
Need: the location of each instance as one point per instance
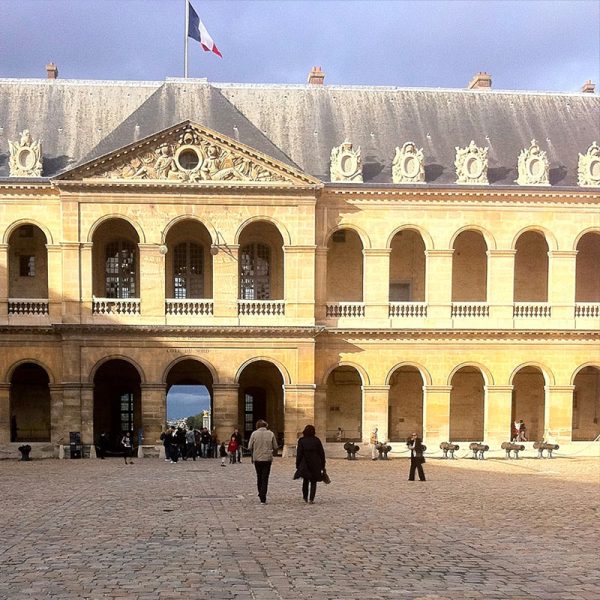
(471, 165)
(25, 157)
(346, 163)
(588, 169)
(408, 165)
(533, 166)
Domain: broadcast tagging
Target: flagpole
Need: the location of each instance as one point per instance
(185, 42)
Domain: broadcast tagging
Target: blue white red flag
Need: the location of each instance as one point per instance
(197, 31)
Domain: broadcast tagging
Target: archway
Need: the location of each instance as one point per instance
(117, 402)
(29, 404)
(345, 267)
(344, 404)
(469, 268)
(28, 263)
(407, 267)
(586, 405)
(189, 393)
(531, 268)
(587, 286)
(467, 405)
(405, 408)
(261, 397)
(528, 401)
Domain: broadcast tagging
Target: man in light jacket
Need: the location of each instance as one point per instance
(262, 444)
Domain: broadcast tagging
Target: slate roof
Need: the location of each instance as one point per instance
(300, 124)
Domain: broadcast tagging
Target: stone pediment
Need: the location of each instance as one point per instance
(187, 154)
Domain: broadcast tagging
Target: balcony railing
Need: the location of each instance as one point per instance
(532, 310)
(116, 306)
(261, 308)
(185, 307)
(408, 310)
(350, 310)
(587, 310)
(470, 309)
(27, 306)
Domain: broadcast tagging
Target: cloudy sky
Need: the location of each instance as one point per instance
(524, 44)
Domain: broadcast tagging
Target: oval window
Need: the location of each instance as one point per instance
(188, 159)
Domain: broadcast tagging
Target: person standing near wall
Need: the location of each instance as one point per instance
(416, 457)
(374, 441)
(310, 462)
(262, 444)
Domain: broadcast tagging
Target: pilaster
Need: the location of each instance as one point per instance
(321, 411)
(3, 283)
(225, 408)
(87, 414)
(321, 282)
(375, 411)
(154, 415)
(376, 285)
(436, 414)
(299, 410)
(438, 293)
(56, 414)
(497, 414)
(559, 413)
(55, 282)
(225, 281)
(299, 273)
(152, 281)
(87, 281)
(4, 413)
(562, 267)
(500, 287)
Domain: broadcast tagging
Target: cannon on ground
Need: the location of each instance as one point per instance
(351, 448)
(448, 448)
(509, 447)
(541, 446)
(478, 450)
(383, 450)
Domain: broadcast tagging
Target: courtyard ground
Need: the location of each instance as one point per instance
(491, 529)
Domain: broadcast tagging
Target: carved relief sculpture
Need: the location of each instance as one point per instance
(408, 165)
(533, 166)
(589, 167)
(25, 157)
(471, 165)
(346, 163)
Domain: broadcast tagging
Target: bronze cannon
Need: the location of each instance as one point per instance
(448, 447)
(383, 450)
(509, 447)
(478, 449)
(541, 446)
(351, 448)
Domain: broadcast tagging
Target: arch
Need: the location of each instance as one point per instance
(467, 403)
(173, 363)
(594, 365)
(548, 375)
(425, 374)
(283, 230)
(285, 375)
(210, 228)
(425, 235)
(362, 234)
(12, 368)
(487, 375)
(584, 233)
(490, 240)
(16, 224)
(99, 222)
(548, 236)
(104, 360)
(364, 376)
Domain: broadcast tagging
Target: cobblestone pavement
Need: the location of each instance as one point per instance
(156, 531)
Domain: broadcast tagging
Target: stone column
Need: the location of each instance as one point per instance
(299, 273)
(375, 411)
(154, 414)
(321, 282)
(438, 293)
(4, 283)
(87, 284)
(299, 403)
(87, 413)
(377, 286)
(321, 411)
(436, 414)
(558, 416)
(4, 413)
(56, 414)
(152, 280)
(497, 414)
(561, 287)
(55, 281)
(225, 409)
(501, 284)
(225, 282)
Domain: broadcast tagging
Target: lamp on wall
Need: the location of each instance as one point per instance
(220, 244)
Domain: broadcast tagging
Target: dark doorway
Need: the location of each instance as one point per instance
(29, 404)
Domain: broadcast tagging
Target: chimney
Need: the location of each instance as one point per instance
(482, 80)
(52, 71)
(588, 87)
(316, 76)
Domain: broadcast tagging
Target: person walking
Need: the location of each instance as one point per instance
(416, 457)
(310, 463)
(262, 444)
(127, 447)
(232, 449)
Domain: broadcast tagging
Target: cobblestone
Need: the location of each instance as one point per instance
(476, 530)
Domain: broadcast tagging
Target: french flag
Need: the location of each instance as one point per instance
(197, 31)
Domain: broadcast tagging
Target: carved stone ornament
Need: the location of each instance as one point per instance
(408, 165)
(346, 163)
(191, 158)
(25, 157)
(471, 165)
(533, 166)
(589, 167)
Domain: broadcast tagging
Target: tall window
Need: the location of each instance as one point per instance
(255, 275)
(119, 271)
(188, 278)
(127, 411)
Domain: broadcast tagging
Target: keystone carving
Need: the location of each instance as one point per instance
(408, 165)
(589, 167)
(25, 157)
(533, 166)
(346, 163)
(471, 165)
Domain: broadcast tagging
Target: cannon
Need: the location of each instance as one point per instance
(478, 450)
(25, 450)
(383, 450)
(351, 448)
(448, 447)
(509, 447)
(541, 446)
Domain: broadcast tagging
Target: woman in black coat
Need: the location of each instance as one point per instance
(310, 463)
(416, 457)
